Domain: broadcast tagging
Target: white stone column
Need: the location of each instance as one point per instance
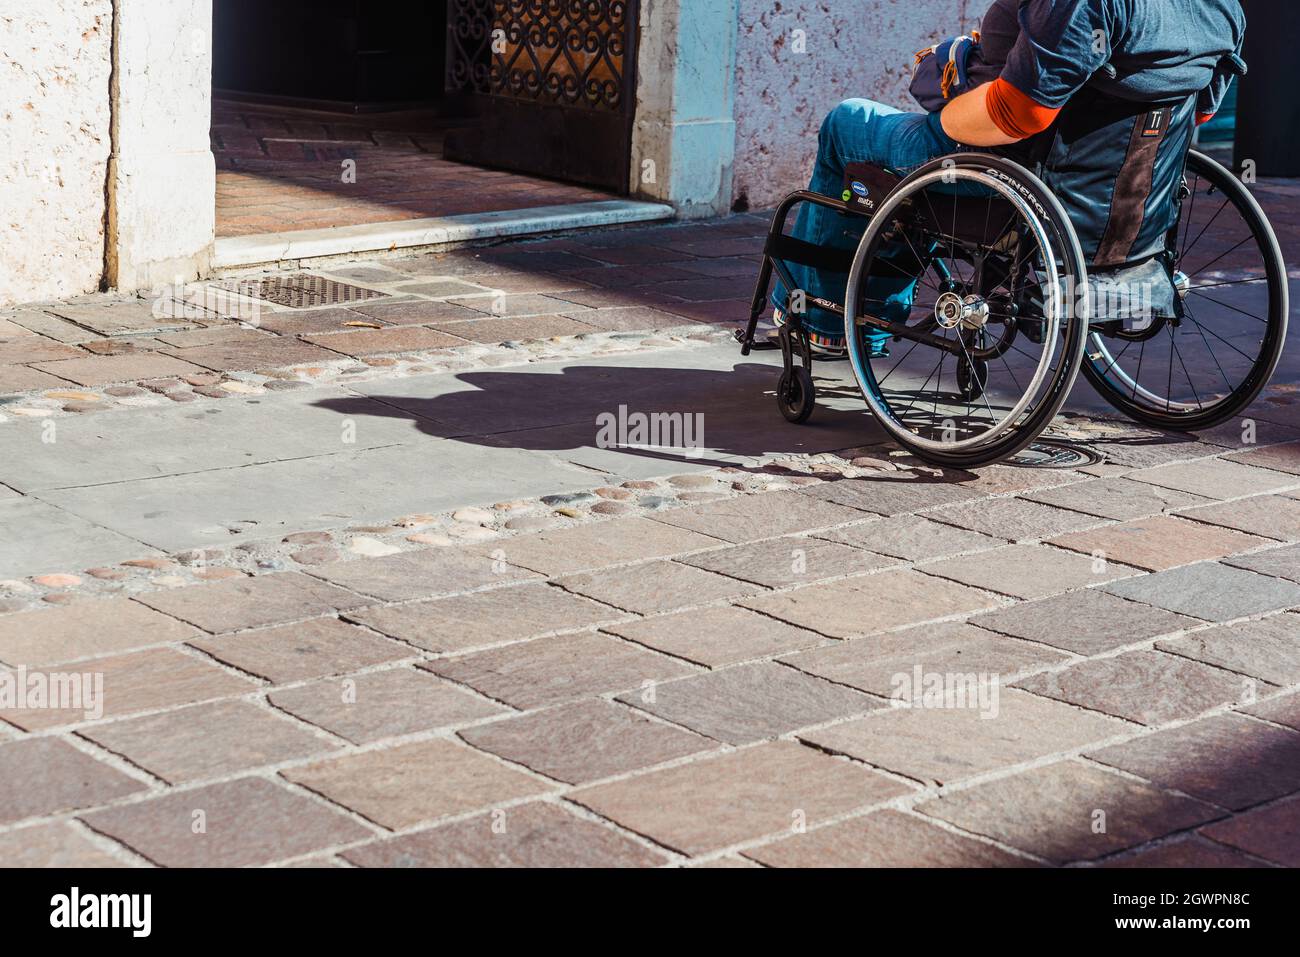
(161, 176)
(684, 138)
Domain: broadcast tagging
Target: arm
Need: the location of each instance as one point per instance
(967, 120)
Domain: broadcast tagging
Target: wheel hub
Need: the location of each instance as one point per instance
(951, 311)
(1182, 283)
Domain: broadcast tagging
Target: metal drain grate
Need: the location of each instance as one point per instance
(1047, 454)
(301, 291)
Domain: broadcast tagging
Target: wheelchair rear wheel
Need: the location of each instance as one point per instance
(1208, 365)
(972, 265)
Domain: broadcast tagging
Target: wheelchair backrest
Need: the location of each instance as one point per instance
(1116, 165)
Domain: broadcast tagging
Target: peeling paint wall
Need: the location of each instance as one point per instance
(55, 60)
(786, 81)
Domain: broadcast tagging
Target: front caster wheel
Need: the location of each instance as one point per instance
(796, 394)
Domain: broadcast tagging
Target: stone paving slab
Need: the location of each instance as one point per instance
(1183, 852)
(751, 703)
(421, 574)
(1211, 591)
(1053, 811)
(1085, 622)
(708, 805)
(85, 630)
(41, 776)
(417, 782)
(1268, 648)
(308, 649)
(942, 745)
(1160, 543)
(883, 839)
(871, 603)
(656, 587)
(54, 845)
(1015, 519)
(1268, 516)
(137, 681)
(1279, 562)
(1120, 499)
(207, 741)
(247, 822)
(1148, 687)
(746, 520)
(383, 704)
(531, 835)
(875, 664)
(1271, 832)
(1283, 710)
(253, 602)
(783, 562)
(1216, 478)
(475, 620)
(586, 741)
(40, 537)
(1028, 571)
(1284, 457)
(553, 670)
(891, 495)
(587, 547)
(911, 537)
(714, 637)
(1227, 760)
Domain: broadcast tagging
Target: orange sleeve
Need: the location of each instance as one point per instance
(1015, 113)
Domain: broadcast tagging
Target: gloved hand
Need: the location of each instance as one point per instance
(942, 72)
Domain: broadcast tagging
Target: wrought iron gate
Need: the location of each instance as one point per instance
(553, 83)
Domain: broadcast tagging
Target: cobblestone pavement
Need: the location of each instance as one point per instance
(698, 666)
(279, 169)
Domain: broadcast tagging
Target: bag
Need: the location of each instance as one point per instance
(942, 71)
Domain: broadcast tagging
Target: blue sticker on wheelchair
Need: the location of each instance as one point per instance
(860, 189)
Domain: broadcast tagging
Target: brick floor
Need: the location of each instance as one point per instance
(270, 159)
(471, 703)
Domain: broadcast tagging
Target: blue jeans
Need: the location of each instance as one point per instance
(856, 131)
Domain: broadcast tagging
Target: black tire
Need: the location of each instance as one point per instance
(1052, 253)
(796, 395)
(1244, 374)
(972, 378)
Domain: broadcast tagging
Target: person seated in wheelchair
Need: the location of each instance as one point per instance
(1138, 76)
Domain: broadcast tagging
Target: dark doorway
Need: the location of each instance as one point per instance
(350, 55)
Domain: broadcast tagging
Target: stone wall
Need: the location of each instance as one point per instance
(55, 61)
(786, 81)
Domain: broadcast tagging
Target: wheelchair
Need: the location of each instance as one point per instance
(969, 308)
